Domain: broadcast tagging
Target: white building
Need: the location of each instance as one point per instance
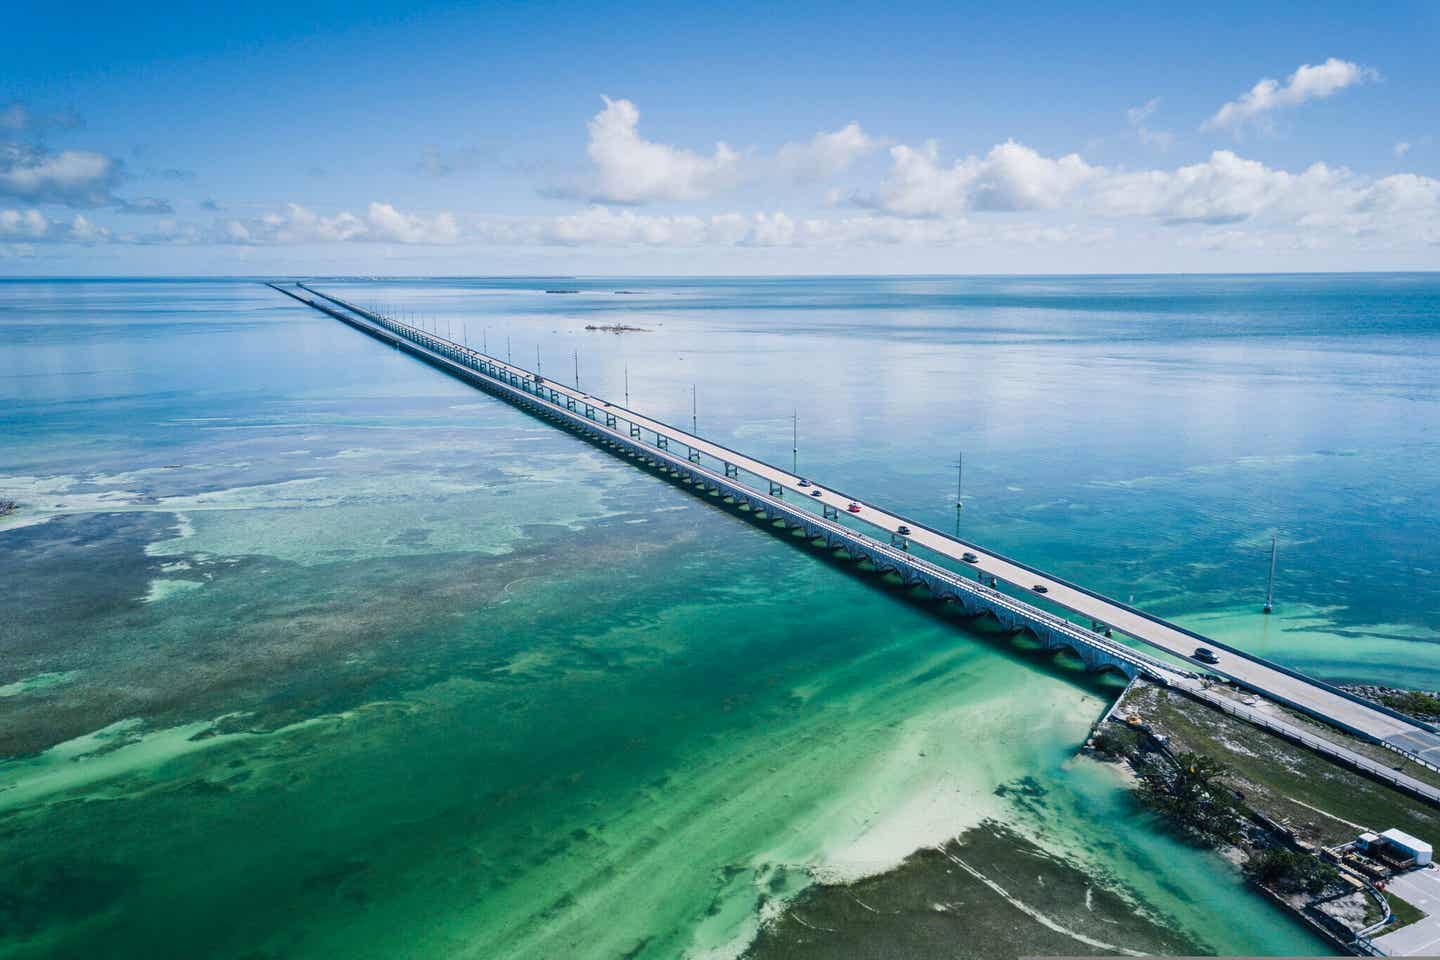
(1402, 841)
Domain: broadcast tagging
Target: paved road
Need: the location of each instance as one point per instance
(1300, 692)
(1422, 938)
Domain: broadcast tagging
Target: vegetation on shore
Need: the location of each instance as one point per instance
(1423, 704)
(1274, 805)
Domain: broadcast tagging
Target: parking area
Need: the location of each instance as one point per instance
(1421, 888)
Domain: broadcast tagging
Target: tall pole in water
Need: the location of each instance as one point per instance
(537, 358)
(694, 411)
(577, 369)
(627, 385)
(484, 340)
(508, 356)
(795, 441)
(960, 482)
(1270, 590)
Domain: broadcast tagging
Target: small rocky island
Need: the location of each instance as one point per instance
(8, 507)
(615, 328)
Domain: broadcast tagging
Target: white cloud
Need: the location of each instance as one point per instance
(83, 231)
(382, 222)
(631, 169)
(35, 227)
(1139, 117)
(1011, 176)
(826, 154)
(29, 225)
(1306, 83)
(1228, 189)
(1402, 148)
(77, 178)
(387, 223)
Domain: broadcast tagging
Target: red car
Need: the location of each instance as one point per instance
(854, 507)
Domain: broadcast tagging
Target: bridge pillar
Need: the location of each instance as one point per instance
(829, 512)
(590, 411)
(776, 490)
(609, 419)
(896, 540)
(634, 430)
(731, 470)
(569, 403)
(694, 455)
(661, 441)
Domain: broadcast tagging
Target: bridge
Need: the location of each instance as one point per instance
(978, 580)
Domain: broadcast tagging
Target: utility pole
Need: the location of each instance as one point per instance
(627, 385)
(508, 356)
(537, 358)
(484, 341)
(694, 411)
(1270, 590)
(577, 369)
(960, 483)
(795, 442)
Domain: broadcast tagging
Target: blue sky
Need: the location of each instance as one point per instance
(451, 139)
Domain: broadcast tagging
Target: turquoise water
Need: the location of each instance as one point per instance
(315, 651)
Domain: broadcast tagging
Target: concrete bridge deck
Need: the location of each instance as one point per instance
(1398, 732)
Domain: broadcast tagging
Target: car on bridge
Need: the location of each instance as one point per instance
(854, 507)
(817, 492)
(804, 482)
(1205, 655)
(969, 557)
(903, 530)
(1040, 588)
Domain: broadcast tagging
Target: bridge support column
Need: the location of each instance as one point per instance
(896, 540)
(634, 430)
(569, 403)
(662, 441)
(694, 455)
(590, 411)
(609, 419)
(829, 512)
(731, 470)
(776, 490)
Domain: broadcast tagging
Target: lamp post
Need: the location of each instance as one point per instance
(1270, 590)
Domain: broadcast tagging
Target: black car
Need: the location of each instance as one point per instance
(903, 530)
(816, 492)
(970, 558)
(1205, 655)
(1040, 588)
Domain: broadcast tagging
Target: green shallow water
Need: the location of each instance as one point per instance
(318, 653)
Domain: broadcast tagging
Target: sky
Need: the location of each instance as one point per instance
(647, 139)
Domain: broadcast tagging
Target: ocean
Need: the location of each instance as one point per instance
(309, 650)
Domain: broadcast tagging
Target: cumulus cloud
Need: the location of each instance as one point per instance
(826, 154)
(1402, 148)
(1228, 189)
(76, 178)
(382, 223)
(630, 169)
(23, 225)
(34, 227)
(1306, 83)
(1010, 177)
